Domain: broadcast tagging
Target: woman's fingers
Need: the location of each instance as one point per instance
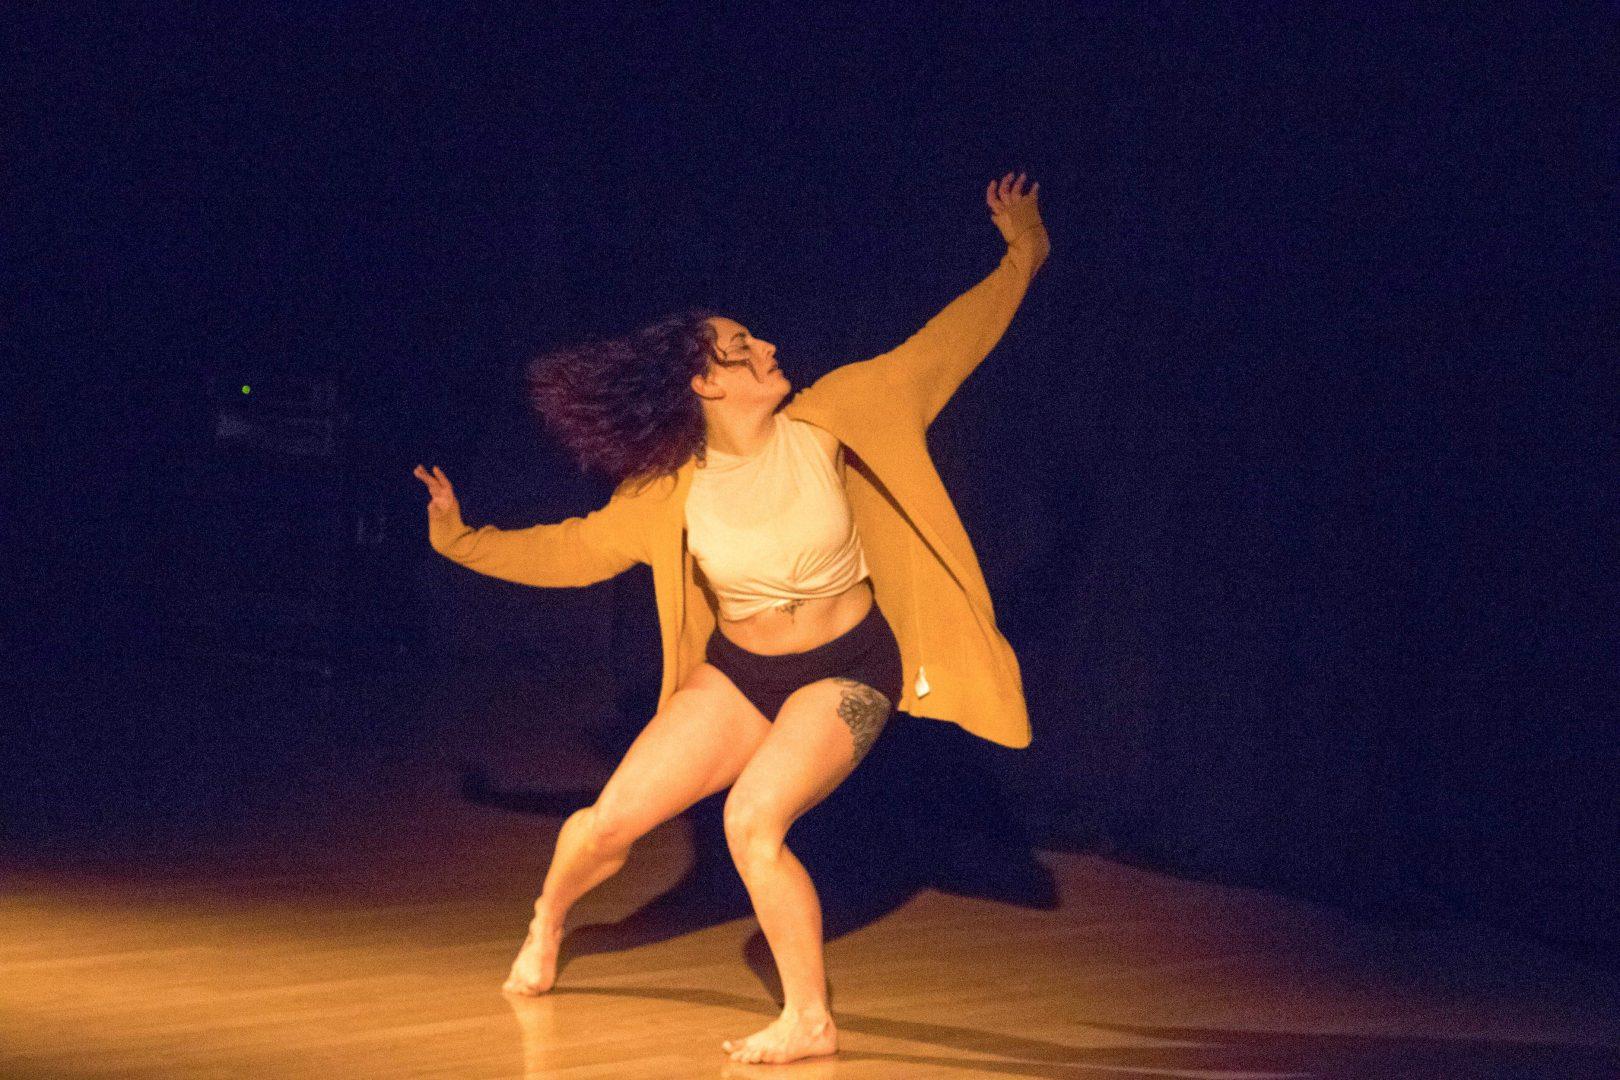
(1007, 189)
(438, 484)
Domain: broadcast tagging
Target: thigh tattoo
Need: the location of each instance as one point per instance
(864, 710)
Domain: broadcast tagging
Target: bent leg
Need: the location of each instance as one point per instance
(695, 746)
(821, 734)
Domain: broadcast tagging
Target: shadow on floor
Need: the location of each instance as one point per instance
(1199, 1051)
(918, 813)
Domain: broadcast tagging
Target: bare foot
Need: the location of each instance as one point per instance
(787, 1038)
(535, 968)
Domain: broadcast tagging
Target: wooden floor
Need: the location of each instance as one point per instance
(366, 931)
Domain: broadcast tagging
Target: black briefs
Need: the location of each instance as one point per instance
(868, 652)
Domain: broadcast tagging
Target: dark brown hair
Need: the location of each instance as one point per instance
(624, 406)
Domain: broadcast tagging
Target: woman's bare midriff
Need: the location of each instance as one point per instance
(808, 624)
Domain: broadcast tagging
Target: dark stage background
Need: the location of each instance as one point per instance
(1292, 479)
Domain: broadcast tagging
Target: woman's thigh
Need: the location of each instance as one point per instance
(820, 736)
(696, 745)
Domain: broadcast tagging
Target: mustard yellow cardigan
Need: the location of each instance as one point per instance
(925, 575)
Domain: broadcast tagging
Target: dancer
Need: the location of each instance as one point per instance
(811, 577)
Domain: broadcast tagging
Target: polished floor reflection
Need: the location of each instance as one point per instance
(365, 929)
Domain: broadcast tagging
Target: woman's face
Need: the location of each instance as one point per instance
(745, 369)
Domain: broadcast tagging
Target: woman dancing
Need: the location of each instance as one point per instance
(811, 577)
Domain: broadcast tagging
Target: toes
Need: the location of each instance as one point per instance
(740, 1050)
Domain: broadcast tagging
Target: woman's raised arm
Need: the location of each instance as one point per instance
(926, 369)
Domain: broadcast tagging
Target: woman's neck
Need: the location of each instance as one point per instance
(740, 436)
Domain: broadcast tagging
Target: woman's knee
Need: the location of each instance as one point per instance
(609, 829)
(753, 831)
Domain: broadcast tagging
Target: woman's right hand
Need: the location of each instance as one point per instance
(442, 505)
(1013, 210)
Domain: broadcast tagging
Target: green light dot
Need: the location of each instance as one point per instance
(246, 389)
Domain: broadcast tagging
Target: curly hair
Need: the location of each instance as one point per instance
(623, 406)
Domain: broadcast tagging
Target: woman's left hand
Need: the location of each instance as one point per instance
(1013, 209)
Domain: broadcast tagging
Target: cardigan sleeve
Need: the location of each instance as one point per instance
(577, 551)
(925, 370)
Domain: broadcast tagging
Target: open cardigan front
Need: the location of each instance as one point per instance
(925, 575)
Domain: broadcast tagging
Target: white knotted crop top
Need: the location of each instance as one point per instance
(773, 527)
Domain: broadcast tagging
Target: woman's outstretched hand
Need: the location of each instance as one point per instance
(442, 505)
(1013, 209)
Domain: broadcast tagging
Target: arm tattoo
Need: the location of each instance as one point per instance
(864, 710)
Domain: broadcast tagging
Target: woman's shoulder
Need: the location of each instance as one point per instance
(824, 438)
(643, 489)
